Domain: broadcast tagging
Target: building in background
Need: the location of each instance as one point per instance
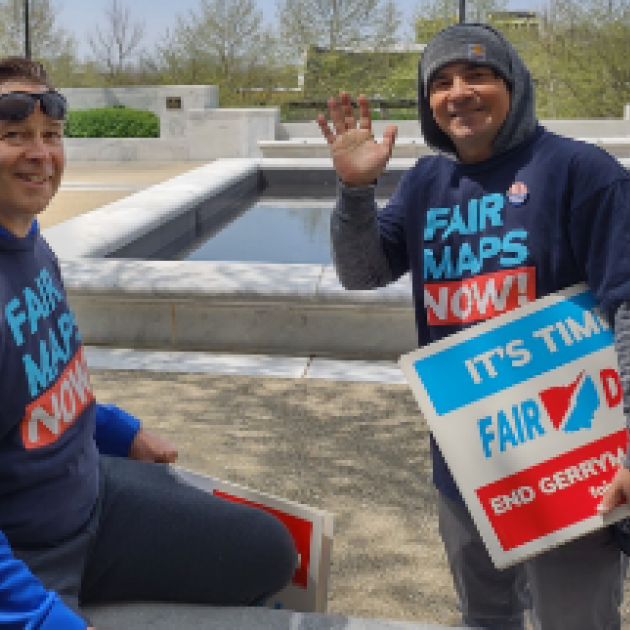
(517, 20)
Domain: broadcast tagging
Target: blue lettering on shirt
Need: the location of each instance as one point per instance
(457, 260)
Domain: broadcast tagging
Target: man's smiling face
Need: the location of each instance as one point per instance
(32, 161)
(469, 103)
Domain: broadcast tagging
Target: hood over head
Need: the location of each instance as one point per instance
(481, 44)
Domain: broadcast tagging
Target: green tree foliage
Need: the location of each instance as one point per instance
(388, 75)
(218, 40)
(588, 47)
(224, 43)
(578, 58)
(576, 50)
(482, 10)
(432, 16)
(337, 23)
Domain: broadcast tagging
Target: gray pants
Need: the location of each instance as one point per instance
(577, 586)
(154, 538)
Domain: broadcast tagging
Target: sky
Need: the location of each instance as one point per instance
(80, 17)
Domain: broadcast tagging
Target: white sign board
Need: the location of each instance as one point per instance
(527, 411)
(312, 532)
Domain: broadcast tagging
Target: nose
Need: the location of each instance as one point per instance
(38, 148)
(459, 88)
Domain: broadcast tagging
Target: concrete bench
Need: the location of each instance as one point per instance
(184, 617)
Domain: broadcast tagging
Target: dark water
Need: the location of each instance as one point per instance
(273, 232)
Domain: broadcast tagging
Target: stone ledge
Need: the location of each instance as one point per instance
(110, 228)
(297, 310)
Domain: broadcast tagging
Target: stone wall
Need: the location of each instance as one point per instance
(193, 127)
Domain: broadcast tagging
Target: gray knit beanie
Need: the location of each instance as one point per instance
(466, 43)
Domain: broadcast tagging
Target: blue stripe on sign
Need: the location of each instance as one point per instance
(450, 385)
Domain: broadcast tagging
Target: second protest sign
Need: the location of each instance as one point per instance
(527, 411)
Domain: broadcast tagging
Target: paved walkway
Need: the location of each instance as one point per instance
(88, 185)
(359, 450)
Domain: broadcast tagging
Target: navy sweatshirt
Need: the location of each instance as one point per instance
(482, 239)
(49, 428)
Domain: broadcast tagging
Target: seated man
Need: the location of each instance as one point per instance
(81, 520)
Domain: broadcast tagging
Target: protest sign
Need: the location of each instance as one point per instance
(527, 410)
(312, 532)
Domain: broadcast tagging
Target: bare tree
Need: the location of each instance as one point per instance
(116, 45)
(229, 31)
(224, 35)
(177, 56)
(387, 25)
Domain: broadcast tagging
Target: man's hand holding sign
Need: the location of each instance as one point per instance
(617, 492)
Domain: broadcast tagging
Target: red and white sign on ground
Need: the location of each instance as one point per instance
(527, 410)
(312, 532)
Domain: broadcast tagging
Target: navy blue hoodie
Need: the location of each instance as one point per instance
(481, 239)
(50, 427)
(48, 456)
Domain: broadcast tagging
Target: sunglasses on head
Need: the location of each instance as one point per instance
(17, 106)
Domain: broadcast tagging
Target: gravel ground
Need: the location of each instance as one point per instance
(358, 450)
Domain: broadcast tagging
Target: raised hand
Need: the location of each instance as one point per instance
(357, 157)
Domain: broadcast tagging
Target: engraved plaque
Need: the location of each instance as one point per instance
(173, 102)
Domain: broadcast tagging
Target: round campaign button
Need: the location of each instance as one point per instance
(518, 194)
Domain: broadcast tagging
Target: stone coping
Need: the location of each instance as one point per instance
(106, 229)
(222, 280)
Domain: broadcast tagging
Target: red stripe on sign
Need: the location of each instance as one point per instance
(300, 529)
(481, 297)
(554, 494)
